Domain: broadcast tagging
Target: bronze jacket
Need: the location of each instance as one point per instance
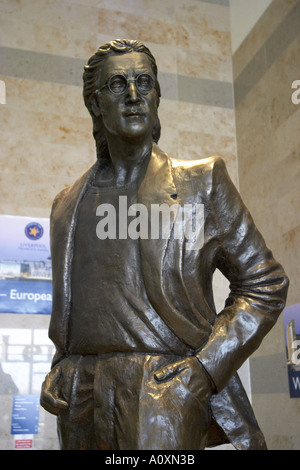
(178, 281)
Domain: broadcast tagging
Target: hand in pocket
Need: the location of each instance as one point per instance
(174, 407)
(51, 398)
(191, 372)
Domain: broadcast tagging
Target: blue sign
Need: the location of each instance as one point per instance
(20, 296)
(25, 265)
(25, 414)
(291, 318)
(34, 231)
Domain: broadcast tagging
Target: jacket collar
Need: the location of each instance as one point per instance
(157, 187)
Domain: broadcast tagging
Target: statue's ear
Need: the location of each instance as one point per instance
(95, 103)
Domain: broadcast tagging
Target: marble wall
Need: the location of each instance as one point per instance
(268, 142)
(46, 140)
(46, 131)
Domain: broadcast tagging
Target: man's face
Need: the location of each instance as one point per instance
(131, 114)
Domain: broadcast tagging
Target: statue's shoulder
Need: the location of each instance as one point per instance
(203, 168)
(201, 165)
(61, 195)
(72, 191)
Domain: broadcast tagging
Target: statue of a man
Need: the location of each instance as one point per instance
(143, 361)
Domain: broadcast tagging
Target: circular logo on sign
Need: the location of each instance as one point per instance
(34, 231)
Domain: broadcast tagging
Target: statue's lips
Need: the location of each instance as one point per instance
(134, 112)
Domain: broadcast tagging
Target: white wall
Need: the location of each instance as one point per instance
(243, 16)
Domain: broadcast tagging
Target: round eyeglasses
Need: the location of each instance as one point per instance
(118, 84)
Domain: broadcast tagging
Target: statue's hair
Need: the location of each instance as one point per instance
(91, 80)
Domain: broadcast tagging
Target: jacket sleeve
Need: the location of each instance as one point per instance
(258, 284)
(55, 328)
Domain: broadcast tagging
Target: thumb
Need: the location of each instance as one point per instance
(169, 371)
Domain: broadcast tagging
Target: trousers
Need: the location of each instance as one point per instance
(115, 403)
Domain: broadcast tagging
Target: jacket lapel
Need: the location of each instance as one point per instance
(163, 258)
(63, 224)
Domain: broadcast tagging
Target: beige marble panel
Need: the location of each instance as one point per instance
(191, 131)
(260, 189)
(168, 110)
(202, 145)
(289, 256)
(207, 119)
(49, 26)
(46, 159)
(286, 139)
(253, 124)
(56, 11)
(279, 79)
(286, 175)
(205, 65)
(168, 113)
(164, 10)
(78, 40)
(269, 161)
(254, 155)
(133, 26)
(209, 16)
(91, 3)
(288, 208)
(268, 169)
(45, 97)
(165, 56)
(46, 143)
(203, 27)
(192, 146)
(46, 127)
(15, 33)
(272, 17)
(189, 35)
(29, 196)
(258, 177)
(169, 142)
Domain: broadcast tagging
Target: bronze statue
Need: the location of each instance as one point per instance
(143, 361)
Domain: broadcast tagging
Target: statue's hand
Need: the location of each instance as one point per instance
(190, 371)
(50, 395)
